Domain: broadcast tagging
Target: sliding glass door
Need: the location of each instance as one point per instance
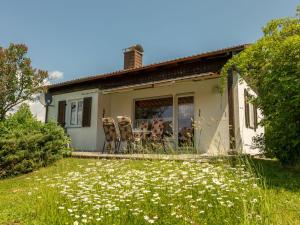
(147, 110)
(185, 120)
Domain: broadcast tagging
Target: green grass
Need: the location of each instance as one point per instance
(142, 192)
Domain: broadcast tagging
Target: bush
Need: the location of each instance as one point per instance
(271, 66)
(27, 144)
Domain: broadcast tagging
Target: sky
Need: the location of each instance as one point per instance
(79, 38)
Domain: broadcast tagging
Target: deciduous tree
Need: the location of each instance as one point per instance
(19, 81)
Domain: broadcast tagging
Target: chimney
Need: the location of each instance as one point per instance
(133, 57)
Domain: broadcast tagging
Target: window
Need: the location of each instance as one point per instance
(76, 113)
(250, 112)
(149, 109)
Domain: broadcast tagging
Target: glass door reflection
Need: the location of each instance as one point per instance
(186, 121)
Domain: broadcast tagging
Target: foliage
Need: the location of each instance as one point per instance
(18, 80)
(271, 67)
(27, 144)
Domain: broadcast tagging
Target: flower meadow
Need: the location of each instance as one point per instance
(151, 192)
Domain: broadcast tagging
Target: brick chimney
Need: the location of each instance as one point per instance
(133, 57)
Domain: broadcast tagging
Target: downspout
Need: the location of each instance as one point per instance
(46, 114)
(230, 92)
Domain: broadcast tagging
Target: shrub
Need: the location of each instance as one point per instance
(27, 144)
(271, 66)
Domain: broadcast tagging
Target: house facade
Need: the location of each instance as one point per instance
(184, 92)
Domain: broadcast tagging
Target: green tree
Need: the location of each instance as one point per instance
(18, 80)
(272, 67)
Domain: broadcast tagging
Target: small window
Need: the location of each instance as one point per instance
(76, 113)
(250, 112)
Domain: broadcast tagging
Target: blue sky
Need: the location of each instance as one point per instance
(81, 38)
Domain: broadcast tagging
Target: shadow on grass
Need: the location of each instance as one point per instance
(277, 176)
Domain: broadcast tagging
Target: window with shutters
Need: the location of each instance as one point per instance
(250, 112)
(76, 109)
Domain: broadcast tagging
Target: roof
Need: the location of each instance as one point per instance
(150, 66)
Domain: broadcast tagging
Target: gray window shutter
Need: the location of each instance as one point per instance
(61, 115)
(87, 111)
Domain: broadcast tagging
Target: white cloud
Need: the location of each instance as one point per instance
(53, 75)
(56, 75)
(38, 110)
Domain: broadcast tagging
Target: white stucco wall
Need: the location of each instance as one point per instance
(246, 134)
(210, 115)
(211, 110)
(83, 138)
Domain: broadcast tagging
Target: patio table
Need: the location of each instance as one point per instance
(137, 130)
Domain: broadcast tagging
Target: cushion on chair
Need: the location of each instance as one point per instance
(125, 127)
(109, 129)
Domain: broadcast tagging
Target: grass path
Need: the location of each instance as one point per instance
(27, 199)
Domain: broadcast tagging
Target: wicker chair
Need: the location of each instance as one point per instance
(186, 136)
(110, 133)
(144, 126)
(157, 132)
(126, 133)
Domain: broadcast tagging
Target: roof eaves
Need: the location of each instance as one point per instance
(153, 65)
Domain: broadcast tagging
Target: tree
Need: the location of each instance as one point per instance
(18, 80)
(272, 67)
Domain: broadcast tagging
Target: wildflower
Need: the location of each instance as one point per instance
(178, 216)
(147, 218)
(254, 200)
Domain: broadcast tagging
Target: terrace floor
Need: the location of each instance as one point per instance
(177, 157)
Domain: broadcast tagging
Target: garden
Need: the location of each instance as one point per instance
(88, 191)
(41, 184)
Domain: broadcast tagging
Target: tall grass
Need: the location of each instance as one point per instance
(146, 192)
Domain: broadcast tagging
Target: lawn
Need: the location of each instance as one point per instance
(85, 191)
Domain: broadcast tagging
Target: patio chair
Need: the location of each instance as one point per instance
(126, 133)
(144, 126)
(157, 132)
(168, 129)
(110, 133)
(186, 136)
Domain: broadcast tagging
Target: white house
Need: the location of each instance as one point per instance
(184, 92)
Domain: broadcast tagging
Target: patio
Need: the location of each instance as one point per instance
(203, 158)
